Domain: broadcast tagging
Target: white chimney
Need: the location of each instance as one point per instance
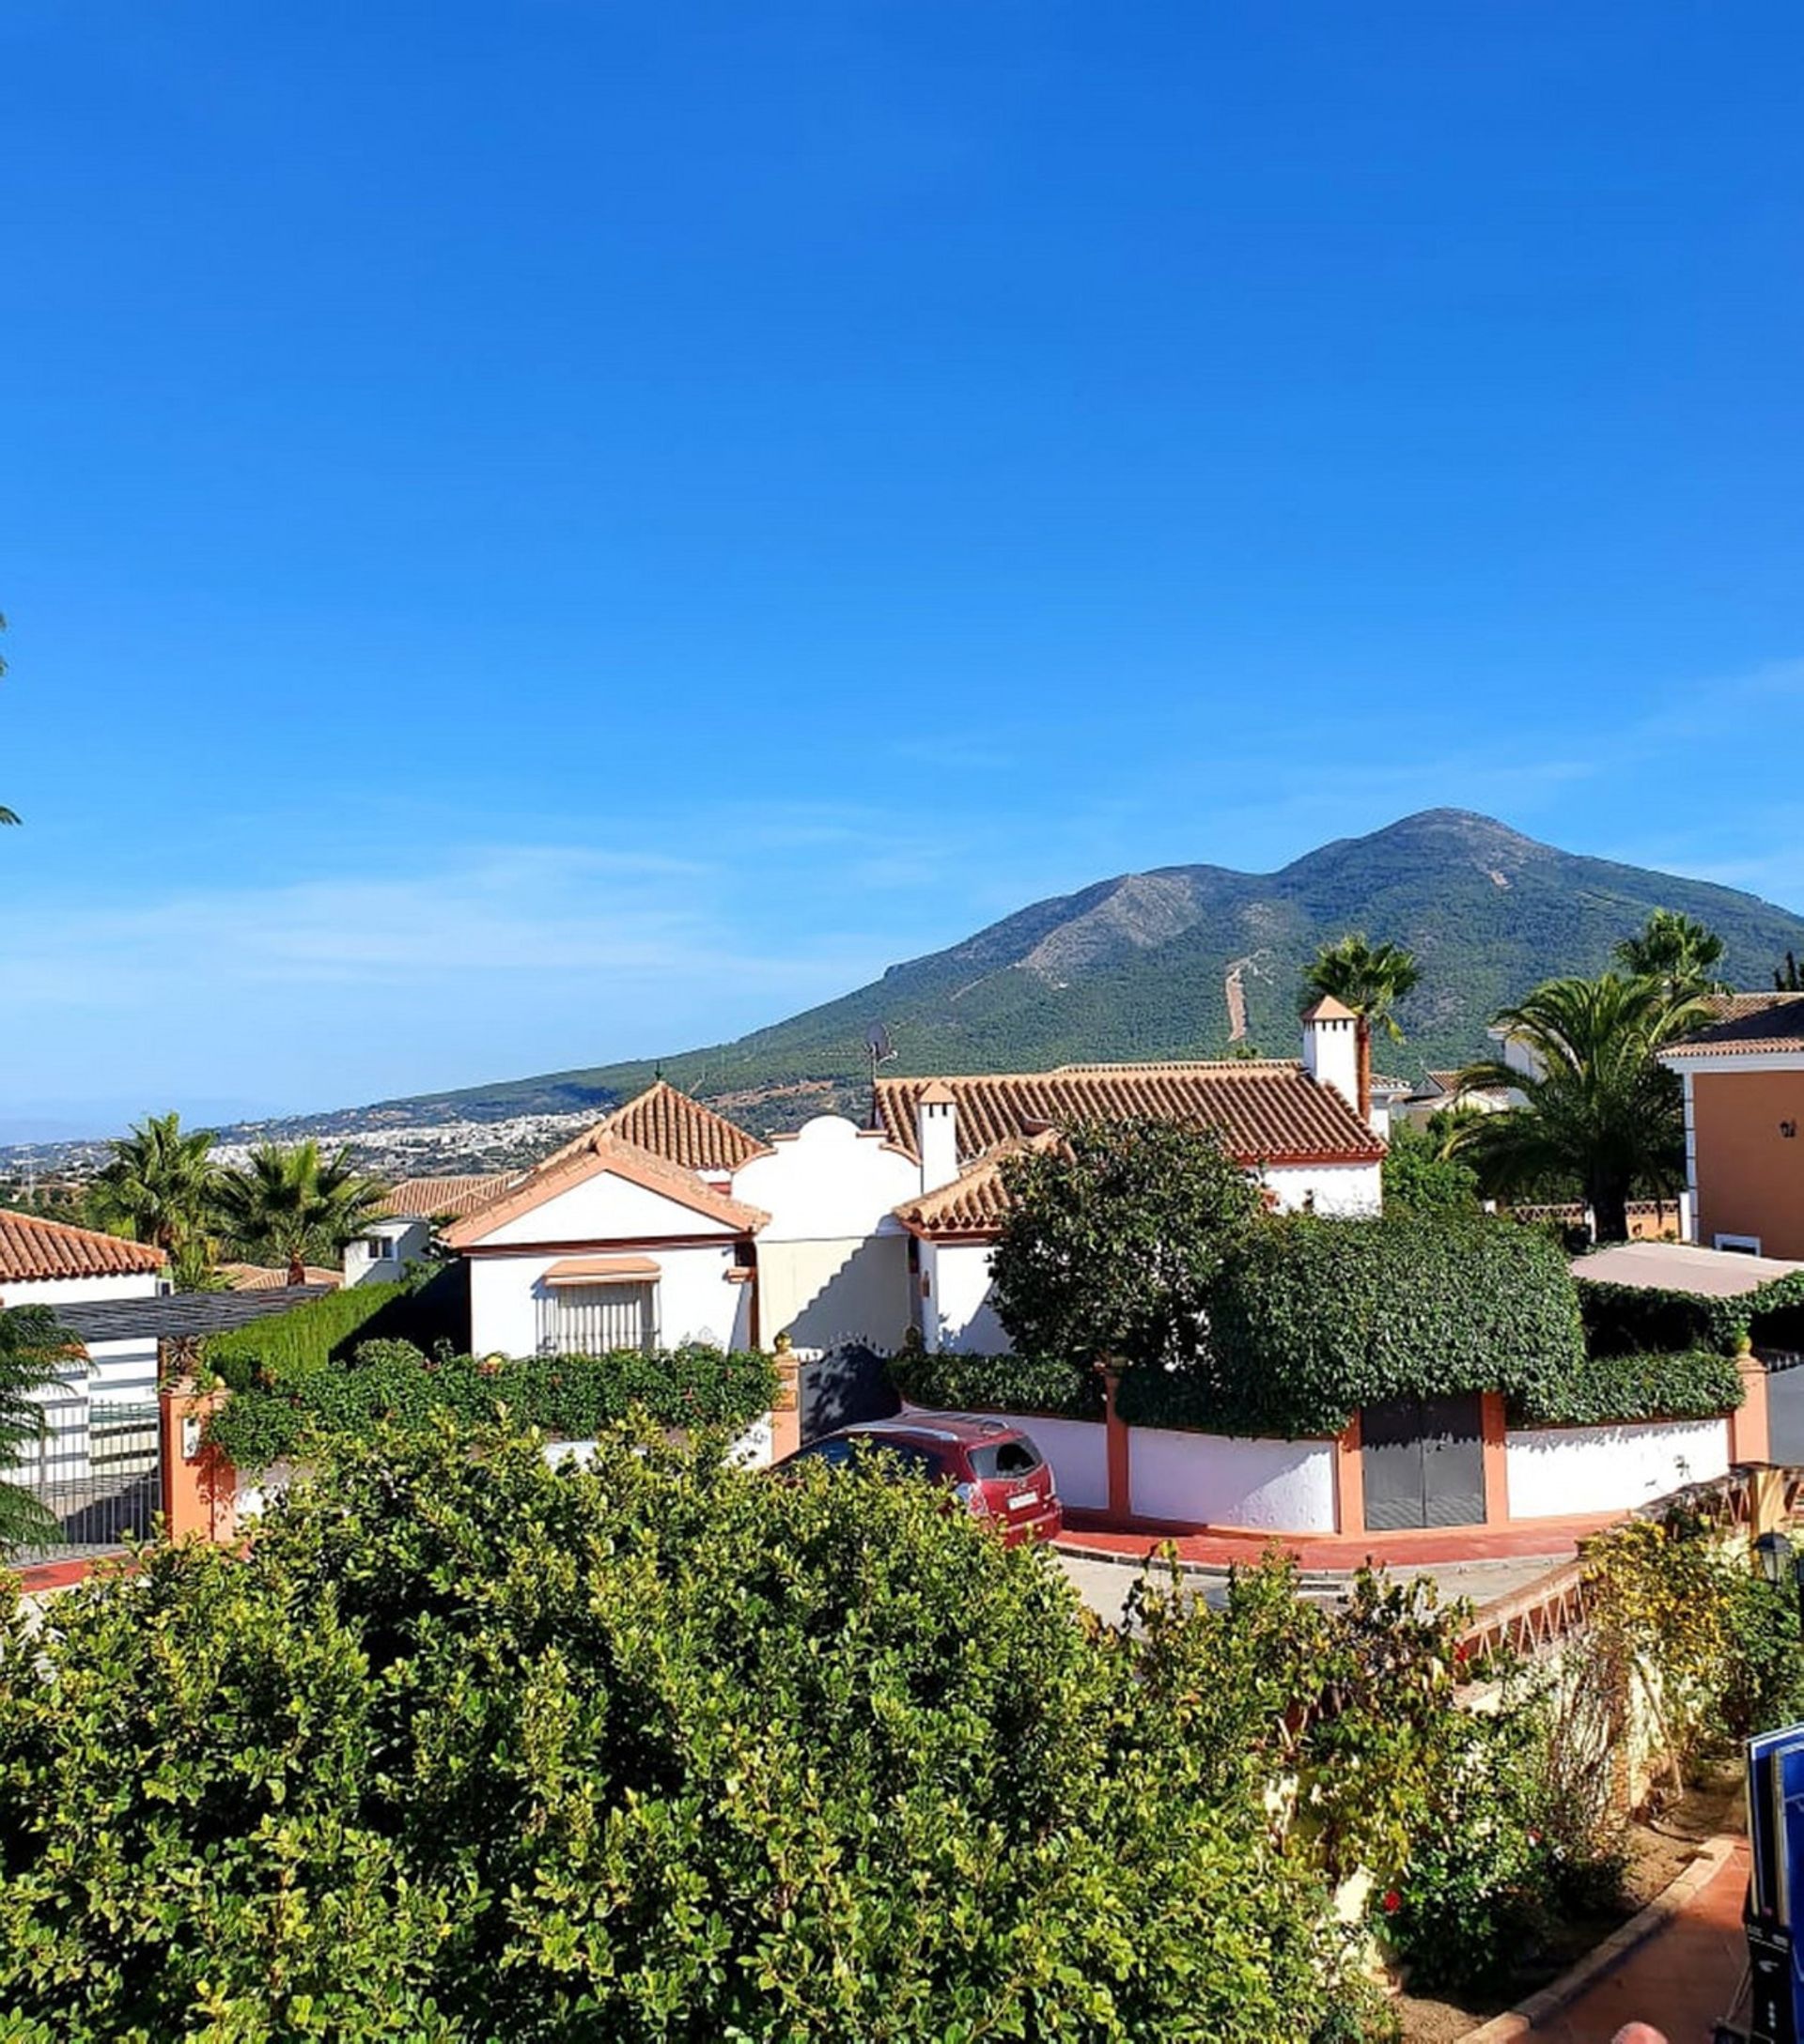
(935, 1135)
(1332, 1049)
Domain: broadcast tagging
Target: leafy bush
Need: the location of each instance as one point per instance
(1113, 1240)
(1420, 1182)
(573, 1396)
(1605, 1390)
(463, 1748)
(1314, 1318)
(423, 1307)
(1623, 1319)
(998, 1384)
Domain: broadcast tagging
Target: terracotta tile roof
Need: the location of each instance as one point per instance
(1751, 1022)
(425, 1198)
(974, 1203)
(32, 1249)
(272, 1277)
(672, 1125)
(1266, 1113)
(598, 1152)
(1328, 1009)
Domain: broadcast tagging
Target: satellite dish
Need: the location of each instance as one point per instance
(877, 1041)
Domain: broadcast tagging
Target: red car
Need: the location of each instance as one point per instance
(989, 1467)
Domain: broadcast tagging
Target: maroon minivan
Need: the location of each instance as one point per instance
(993, 1468)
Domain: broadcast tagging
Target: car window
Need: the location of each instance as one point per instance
(835, 1454)
(1006, 1458)
(910, 1454)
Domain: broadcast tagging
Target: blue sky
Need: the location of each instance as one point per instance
(554, 530)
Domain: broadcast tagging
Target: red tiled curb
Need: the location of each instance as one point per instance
(1552, 1540)
(1602, 1959)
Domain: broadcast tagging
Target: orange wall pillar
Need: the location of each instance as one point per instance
(200, 1485)
(1749, 1437)
(786, 1415)
(1494, 1426)
(1120, 1449)
(1349, 1479)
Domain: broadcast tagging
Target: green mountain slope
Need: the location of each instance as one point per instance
(1134, 968)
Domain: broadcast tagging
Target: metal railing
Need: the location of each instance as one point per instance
(97, 1470)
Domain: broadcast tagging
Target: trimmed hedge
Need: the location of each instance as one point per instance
(1606, 1390)
(573, 1396)
(1314, 1318)
(1002, 1384)
(1622, 1320)
(425, 1309)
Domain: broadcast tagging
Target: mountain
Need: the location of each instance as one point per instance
(1130, 968)
(1134, 966)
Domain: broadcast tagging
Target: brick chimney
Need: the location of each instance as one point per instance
(935, 1135)
(1331, 1048)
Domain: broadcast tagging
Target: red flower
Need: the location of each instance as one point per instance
(1392, 1902)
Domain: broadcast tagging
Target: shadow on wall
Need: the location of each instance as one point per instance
(844, 1387)
(825, 1294)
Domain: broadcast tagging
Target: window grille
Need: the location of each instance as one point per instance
(591, 1320)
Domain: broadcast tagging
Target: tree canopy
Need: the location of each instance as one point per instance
(1113, 1240)
(33, 1351)
(1674, 949)
(295, 1204)
(1369, 978)
(159, 1184)
(463, 1747)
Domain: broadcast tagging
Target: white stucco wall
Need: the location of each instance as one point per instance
(829, 1181)
(1337, 1188)
(404, 1241)
(695, 1303)
(956, 1308)
(1079, 1452)
(1556, 1470)
(823, 1295)
(117, 1370)
(1208, 1479)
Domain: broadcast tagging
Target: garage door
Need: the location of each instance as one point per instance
(1423, 1462)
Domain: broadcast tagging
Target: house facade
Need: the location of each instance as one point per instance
(45, 1263)
(1744, 1111)
(667, 1222)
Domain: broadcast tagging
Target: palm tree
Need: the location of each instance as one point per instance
(1598, 1107)
(158, 1184)
(1677, 950)
(1369, 978)
(291, 1204)
(32, 1352)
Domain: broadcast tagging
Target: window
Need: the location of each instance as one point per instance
(591, 1320)
(1739, 1245)
(377, 1247)
(1007, 1459)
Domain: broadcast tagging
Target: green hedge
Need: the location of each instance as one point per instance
(427, 1308)
(573, 1396)
(998, 1384)
(1692, 1384)
(1314, 1318)
(1623, 1320)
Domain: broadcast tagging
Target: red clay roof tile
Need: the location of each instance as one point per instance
(33, 1249)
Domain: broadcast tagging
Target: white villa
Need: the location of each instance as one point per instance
(47, 1262)
(667, 1222)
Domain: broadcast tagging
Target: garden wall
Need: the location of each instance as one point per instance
(1213, 1480)
(1557, 1470)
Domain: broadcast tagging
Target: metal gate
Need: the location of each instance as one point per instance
(1423, 1462)
(1784, 1405)
(97, 1471)
(843, 1386)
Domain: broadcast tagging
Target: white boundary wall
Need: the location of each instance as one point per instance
(1557, 1470)
(1079, 1452)
(1214, 1479)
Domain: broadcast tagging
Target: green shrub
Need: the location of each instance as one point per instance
(463, 1748)
(1624, 1319)
(1314, 1318)
(424, 1308)
(1606, 1390)
(572, 1397)
(998, 1384)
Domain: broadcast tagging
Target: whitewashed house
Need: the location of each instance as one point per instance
(45, 1263)
(667, 1222)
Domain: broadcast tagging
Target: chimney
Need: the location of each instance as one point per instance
(1331, 1048)
(935, 1135)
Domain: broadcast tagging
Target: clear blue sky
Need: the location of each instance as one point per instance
(553, 531)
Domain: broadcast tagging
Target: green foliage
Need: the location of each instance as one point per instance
(324, 1330)
(1113, 1240)
(1368, 978)
(1600, 1106)
(271, 1418)
(463, 1748)
(33, 1349)
(159, 1184)
(1314, 1318)
(1603, 1390)
(1674, 949)
(297, 1206)
(1422, 1183)
(1001, 1384)
(1622, 1318)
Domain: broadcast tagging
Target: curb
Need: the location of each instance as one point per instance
(1204, 1572)
(1713, 1856)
